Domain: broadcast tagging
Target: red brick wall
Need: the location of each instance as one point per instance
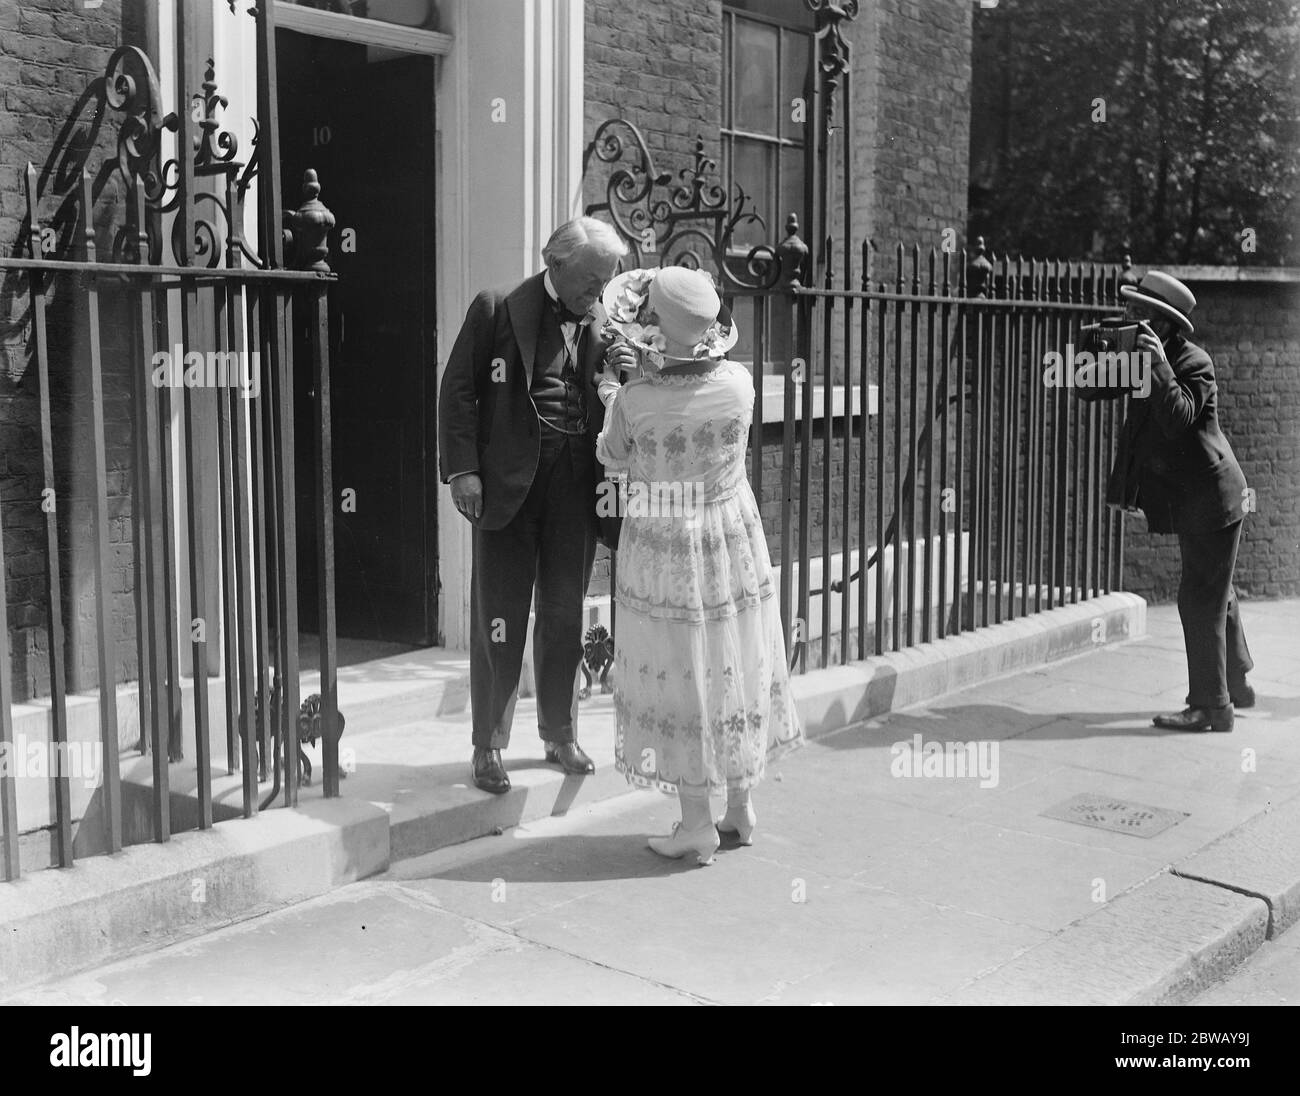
(51, 52)
(1252, 331)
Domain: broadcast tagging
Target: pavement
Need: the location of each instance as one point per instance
(876, 876)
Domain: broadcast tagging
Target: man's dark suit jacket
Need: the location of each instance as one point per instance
(1173, 461)
(487, 422)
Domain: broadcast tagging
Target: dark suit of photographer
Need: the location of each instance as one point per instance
(1176, 466)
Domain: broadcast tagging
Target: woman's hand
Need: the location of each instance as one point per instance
(619, 358)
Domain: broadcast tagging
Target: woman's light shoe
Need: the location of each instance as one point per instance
(739, 822)
(703, 842)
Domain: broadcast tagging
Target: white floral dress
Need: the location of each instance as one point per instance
(701, 687)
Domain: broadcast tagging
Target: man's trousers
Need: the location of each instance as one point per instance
(549, 543)
(1207, 605)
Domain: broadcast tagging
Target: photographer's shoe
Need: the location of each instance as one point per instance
(1243, 696)
(1197, 719)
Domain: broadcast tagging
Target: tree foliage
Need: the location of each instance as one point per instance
(1168, 128)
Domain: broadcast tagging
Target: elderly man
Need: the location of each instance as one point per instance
(518, 418)
(1176, 466)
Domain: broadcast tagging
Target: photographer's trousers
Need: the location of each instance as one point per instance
(549, 543)
(1207, 606)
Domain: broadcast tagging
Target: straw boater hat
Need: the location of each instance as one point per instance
(670, 312)
(1166, 293)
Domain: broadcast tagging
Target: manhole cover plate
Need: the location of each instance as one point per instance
(1104, 813)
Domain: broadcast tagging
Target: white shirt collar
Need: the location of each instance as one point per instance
(554, 296)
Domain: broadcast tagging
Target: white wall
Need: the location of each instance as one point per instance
(503, 186)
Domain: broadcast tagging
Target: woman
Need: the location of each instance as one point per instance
(701, 690)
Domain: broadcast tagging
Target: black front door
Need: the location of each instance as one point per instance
(366, 125)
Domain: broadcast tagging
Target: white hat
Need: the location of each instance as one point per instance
(670, 312)
(1166, 293)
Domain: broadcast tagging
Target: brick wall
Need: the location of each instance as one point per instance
(659, 65)
(1252, 331)
(911, 77)
(51, 52)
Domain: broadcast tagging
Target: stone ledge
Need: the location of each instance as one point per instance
(839, 696)
(1284, 274)
(59, 921)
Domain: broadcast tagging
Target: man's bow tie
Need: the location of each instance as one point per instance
(566, 314)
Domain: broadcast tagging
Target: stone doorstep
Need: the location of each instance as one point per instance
(398, 688)
(145, 906)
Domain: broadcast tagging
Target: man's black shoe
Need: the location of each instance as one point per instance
(489, 772)
(1243, 696)
(1197, 719)
(569, 756)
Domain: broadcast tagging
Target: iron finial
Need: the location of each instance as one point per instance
(792, 253)
(309, 227)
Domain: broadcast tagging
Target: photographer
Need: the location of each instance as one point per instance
(1175, 465)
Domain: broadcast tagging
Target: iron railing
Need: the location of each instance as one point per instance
(233, 304)
(917, 478)
(973, 493)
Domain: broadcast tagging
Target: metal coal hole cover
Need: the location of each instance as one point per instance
(1104, 813)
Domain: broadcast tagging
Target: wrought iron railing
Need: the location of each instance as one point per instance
(975, 493)
(927, 476)
(194, 283)
(928, 482)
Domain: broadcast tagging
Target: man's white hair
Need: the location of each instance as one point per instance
(583, 232)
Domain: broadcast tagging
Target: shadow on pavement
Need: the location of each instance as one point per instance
(572, 858)
(965, 722)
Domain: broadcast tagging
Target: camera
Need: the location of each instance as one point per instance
(1109, 337)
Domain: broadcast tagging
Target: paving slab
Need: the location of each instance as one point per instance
(377, 945)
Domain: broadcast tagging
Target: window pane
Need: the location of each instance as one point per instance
(791, 12)
(752, 168)
(754, 61)
(796, 60)
(792, 192)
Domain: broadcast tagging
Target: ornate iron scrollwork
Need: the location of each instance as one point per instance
(216, 147)
(832, 48)
(214, 156)
(131, 88)
(694, 223)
